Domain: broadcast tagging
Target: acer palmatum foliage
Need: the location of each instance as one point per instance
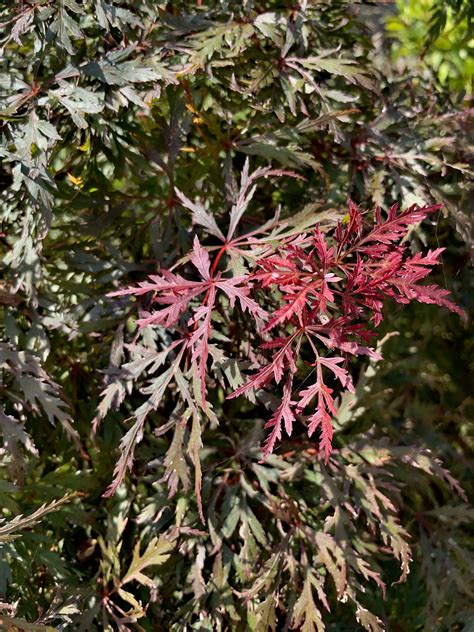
(196, 298)
(316, 299)
(333, 289)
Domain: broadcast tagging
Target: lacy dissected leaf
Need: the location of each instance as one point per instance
(283, 415)
(7, 531)
(307, 614)
(331, 288)
(177, 470)
(369, 621)
(266, 615)
(38, 391)
(155, 389)
(177, 295)
(156, 553)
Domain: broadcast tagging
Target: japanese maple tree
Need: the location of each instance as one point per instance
(321, 291)
(181, 267)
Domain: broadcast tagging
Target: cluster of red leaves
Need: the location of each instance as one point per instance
(176, 295)
(333, 288)
(327, 292)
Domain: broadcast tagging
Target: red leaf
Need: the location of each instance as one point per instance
(283, 413)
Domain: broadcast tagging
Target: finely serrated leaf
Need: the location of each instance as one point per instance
(201, 216)
(7, 531)
(306, 613)
(368, 620)
(156, 553)
(266, 615)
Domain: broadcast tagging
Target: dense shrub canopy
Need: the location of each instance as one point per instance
(203, 155)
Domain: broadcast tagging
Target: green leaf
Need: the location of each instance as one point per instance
(266, 615)
(156, 553)
(306, 614)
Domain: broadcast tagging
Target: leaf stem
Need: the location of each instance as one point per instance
(217, 258)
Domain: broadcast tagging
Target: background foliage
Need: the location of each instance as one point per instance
(440, 36)
(107, 110)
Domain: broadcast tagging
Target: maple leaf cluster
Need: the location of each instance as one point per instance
(316, 298)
